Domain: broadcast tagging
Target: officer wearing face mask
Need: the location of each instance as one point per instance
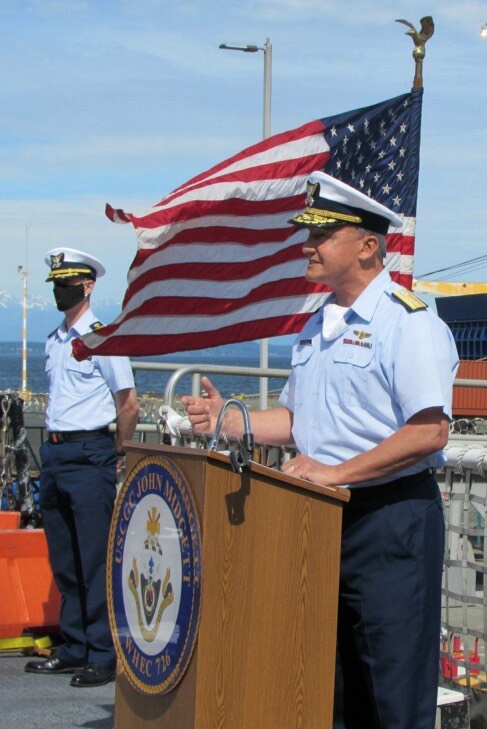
(80, 459)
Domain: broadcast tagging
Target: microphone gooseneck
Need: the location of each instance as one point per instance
(240, 458)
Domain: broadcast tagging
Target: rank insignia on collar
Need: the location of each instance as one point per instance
(305, 342)
(361, 334)
(96, 325)
(410, 301)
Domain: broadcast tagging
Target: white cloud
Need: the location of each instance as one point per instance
(121, 101)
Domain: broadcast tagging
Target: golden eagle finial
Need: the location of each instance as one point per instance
(427, 30)
(419, 39)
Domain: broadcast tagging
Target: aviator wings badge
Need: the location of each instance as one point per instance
(361, 334)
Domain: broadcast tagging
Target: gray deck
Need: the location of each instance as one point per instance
(28, 701)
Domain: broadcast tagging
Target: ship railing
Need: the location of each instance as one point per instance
(147, 429)
(463, 485)
(197, 370)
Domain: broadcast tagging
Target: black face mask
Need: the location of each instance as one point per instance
(68, 296)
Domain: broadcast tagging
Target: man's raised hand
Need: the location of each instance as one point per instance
(203, 411)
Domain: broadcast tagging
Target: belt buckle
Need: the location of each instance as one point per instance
(56, 438)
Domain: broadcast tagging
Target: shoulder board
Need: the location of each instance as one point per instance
(409, 300)
(52, 333)
(96, 325)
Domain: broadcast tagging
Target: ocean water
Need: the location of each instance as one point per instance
(246, 355)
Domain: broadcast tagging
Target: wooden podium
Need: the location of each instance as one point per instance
(265, 652)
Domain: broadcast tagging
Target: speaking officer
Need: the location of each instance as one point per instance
(368, 405)
(78, 471)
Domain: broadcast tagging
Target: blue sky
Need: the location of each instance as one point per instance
(120, 102)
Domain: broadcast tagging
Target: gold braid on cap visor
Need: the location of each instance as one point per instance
(66, 272)
(316, 216)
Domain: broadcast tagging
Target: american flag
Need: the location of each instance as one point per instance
(217, 260)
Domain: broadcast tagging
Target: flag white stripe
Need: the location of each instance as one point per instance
(152, 237)
(199, 288)
(149, 238)
(297, 149)
(161, 325)
(400, 263)
(252, 190)
(221, 253)
(237, 289)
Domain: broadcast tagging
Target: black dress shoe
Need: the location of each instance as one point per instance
(94, 674)
(53, 665)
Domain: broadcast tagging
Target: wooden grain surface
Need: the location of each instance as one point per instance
(265, 655)
(268, 627)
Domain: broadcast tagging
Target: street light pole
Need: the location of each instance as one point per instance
(24, 273)
(267, 87)
(267, 49)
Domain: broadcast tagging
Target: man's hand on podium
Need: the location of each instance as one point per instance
(311, 470)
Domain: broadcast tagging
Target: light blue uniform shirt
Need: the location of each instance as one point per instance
(350, 393)
(80, 393)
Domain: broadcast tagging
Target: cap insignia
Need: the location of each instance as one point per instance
(56, 261)
(311, 189)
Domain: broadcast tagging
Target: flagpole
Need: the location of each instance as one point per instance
(267, 48)
(264, 343)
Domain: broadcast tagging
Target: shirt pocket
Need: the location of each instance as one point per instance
(300, 362)
(80, 369)
(349, 376)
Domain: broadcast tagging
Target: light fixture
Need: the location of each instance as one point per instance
(245, 49)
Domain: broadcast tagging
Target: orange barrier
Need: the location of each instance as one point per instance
(30, 598)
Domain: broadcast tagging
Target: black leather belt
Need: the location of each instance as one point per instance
(387, 489)
(66, 436)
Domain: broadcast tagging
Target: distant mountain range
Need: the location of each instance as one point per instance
(42, 316)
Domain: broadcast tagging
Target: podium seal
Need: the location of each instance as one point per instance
(154, 575)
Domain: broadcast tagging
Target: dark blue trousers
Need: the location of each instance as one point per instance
(390, 605)
(77, 494)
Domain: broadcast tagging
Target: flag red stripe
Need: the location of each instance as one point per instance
(306, 130)
(141, 346)
(263, 172)
(397, 243)
(205, 306)
(405, 280)
(215, 234)
(217, 208)
(230, 205)
(229, 271)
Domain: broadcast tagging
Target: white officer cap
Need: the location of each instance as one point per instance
(331, 203)
(68, 262)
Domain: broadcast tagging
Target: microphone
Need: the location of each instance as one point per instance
(240, 458)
